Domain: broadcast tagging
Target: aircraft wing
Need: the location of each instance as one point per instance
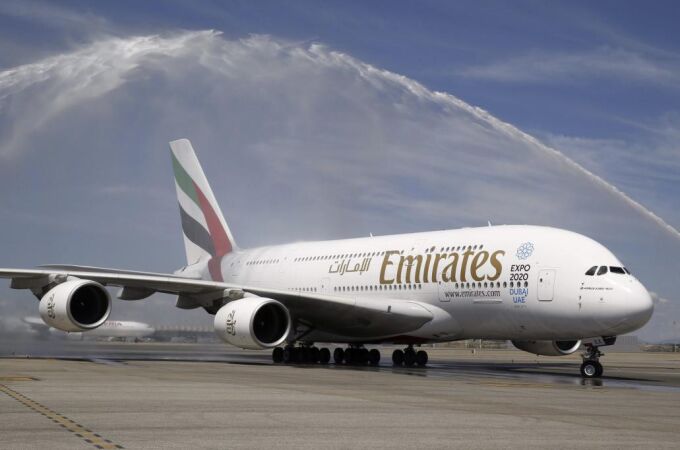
(348, 316)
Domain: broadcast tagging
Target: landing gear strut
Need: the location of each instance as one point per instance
(591, 367)
(409, 357)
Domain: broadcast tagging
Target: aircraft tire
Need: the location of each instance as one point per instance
(338, 355)
(349, 356)
(374, 357)
(363, 356)
(314, 355)
(289, 354)
(397, 357)
(591, 369)
(422, 358)
(409, 358)
(324, 356)
(277, 355)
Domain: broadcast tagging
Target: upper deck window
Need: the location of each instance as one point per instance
(602, 270)
(614, 269)
(590, 272)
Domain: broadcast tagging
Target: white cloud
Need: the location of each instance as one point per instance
(606, 63)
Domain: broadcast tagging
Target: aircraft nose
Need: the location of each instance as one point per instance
(639, 305)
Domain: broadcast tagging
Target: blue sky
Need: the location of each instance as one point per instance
(335, 107)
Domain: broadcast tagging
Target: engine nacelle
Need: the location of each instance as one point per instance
(76, 305)
(548, 348)
(253, 323)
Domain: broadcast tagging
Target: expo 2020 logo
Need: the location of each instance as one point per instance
(525, 250)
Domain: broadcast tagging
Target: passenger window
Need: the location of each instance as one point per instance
(590, 272)
(602, 270)
(614, 269)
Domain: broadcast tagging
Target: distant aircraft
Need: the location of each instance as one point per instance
(110, 328)
(547, 290)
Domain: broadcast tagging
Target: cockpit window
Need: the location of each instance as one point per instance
(614, 269)
(590, 272)
(602, 270)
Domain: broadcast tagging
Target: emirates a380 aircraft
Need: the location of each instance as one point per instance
(547, 290)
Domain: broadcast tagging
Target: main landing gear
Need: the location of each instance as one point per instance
(306, 354)
(591, 367)
(409, 357)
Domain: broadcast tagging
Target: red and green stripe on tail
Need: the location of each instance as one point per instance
(202, 222)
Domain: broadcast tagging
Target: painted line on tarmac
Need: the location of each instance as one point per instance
(80, 431)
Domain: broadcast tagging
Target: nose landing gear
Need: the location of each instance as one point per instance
(591, 367)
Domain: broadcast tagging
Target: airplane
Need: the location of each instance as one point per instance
(547, 290)
(110, 328)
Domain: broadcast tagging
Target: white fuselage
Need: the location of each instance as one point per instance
(122, 329)
(497, 282)
(110, 328)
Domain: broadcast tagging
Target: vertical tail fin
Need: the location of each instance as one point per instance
(206, 233)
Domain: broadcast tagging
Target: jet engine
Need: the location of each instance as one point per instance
(548, 348)
(76, 305)
(253, 323)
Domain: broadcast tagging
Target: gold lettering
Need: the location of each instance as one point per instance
(449, 272)
(463, 267)
(410, 260)
(496, 265)
(477, 264)
(426, 269)
(387, 262)
(435, 266)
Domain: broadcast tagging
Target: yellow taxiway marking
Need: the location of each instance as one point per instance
(80, 431)
(9, 378)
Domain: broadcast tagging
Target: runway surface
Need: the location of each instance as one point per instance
(149, 395)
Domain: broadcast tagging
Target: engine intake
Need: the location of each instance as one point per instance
(253, 323)
(548, 348)
(76, 305)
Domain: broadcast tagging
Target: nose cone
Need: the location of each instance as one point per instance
(638, 305)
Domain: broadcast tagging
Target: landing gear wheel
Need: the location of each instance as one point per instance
(397, 357)
(363, 356)
(324, 356)
(277, 355)
(303, 355)
(421, 358)
(350, 356)
(338, 355)
(409, 357)
(591, 369)
(289, 354)
(374, 357)
(314, 355)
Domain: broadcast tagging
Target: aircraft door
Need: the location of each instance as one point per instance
(546, 285)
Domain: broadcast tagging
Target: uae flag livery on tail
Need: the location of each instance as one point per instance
(206, 234)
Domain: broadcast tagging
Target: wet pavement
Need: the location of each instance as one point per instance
(153, 395)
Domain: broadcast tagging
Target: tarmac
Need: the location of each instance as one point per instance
(152, 395)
